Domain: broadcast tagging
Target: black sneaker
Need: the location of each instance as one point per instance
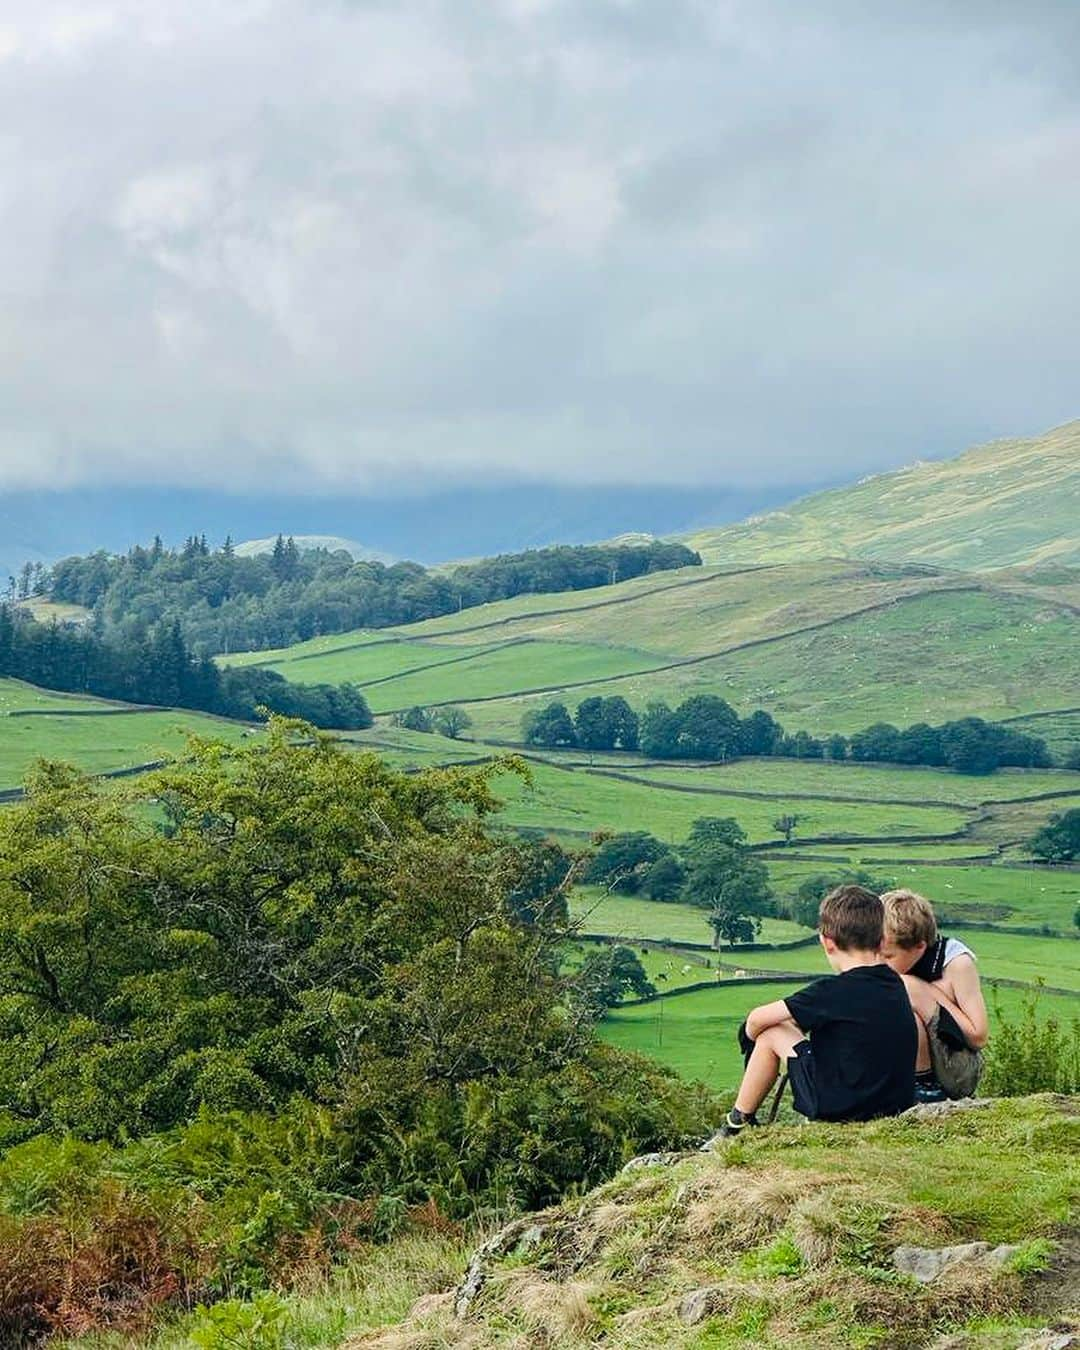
(928, 1089)
(732, 1127)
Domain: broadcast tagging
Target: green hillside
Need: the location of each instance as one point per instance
(998, 505)
(828, 645)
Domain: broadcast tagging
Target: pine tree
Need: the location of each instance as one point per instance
(277, 558)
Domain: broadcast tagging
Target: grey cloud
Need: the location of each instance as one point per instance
(346, 245)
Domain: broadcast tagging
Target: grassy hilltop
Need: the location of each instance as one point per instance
(1007, 503)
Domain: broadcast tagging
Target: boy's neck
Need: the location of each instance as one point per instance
(849, 960)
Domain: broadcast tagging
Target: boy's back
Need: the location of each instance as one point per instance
(863, 1043)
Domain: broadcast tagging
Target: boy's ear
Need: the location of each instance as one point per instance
(827, 943)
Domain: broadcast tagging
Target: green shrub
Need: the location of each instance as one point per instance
(1032, 1053)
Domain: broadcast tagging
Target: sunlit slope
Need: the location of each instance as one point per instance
(1001, 504)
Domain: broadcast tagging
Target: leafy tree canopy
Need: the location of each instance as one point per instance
(1059, 841)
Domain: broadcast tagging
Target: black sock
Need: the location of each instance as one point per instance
(736, 1119)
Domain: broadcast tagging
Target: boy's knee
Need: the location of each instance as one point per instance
(782, 1038)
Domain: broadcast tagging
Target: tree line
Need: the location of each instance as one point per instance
(227, 603)
(707, 727)
(156, 666)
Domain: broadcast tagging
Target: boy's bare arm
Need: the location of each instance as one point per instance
(965, 992)
(925, 993)
(768, 1015)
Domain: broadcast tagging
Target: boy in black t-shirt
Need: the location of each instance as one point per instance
(848, 1042)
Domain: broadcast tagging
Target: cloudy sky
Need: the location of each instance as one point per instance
(346, 245)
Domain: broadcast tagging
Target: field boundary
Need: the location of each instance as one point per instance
(751, 795)
(685, 661)
(396, 634)
(131, 771)
(673, 944)
(752, 978)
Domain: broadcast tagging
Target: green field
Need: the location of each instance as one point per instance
(695, 1033)
(1004, 956)
(668, 969)
(1060, 730)
(577, 801)
(630, 916)
(824, 856)
(1017, 896)
(115, 739)
(994, 654)
(396, 676)
(17, 696)
(695, 613)
(787, 779)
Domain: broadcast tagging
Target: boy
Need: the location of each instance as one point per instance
(859, 1060)
(943, 984)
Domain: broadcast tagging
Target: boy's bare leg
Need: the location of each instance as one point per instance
(771, 1050)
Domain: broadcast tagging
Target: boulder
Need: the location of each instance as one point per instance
(925, 1264)
(702, 1303)
(938, 1110)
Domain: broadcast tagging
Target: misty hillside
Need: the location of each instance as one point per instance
(998, 505)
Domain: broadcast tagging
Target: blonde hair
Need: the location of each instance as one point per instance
(909, 919)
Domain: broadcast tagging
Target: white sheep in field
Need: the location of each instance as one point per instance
(740, 974)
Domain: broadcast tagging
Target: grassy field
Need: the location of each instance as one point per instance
(996, 655)
(1017, 896)
(789, 779)
(1003, 503)
(699, 612)
(668, 969)
(1060, 730)
(1005, 956)
(874, 855)
(17, 696)
(566, 800)
(398, 675)
(695, 1033)
(116, 739)
(630, 916)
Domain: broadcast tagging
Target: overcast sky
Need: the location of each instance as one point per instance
(325, 245)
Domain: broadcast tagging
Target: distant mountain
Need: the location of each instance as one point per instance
(252, 548)
(1004, 504)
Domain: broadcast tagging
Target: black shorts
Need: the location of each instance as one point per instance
(802, 1076)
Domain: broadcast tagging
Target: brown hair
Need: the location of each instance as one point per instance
(853, 917)
(909, 918)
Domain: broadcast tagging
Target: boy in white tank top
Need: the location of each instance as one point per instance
(942, 981)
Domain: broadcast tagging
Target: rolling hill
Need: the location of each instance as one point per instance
(829, 645)
(999, 505)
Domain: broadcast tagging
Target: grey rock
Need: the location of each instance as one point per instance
(519, 1233)
(653, 1160)
(938, 1110)
(925, 1264)
(701, 1303)
(1050, 1340)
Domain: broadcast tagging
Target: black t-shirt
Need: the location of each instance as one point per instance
(863, 1042)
